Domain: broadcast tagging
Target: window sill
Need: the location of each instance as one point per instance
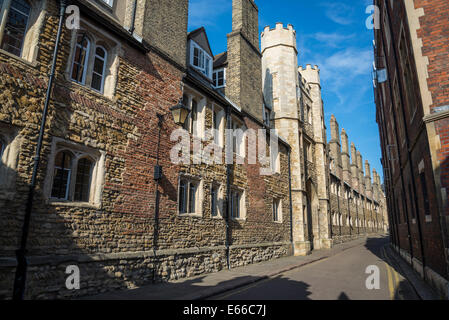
(278, 222)
(20, 59)
(73, 204)
(87, 89)
(238, 219)
(190, 215)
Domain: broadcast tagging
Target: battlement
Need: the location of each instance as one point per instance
(278, 36)
(309, 67)
(310, 74)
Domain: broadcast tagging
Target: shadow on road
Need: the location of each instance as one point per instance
(402, 289)
(190, 289)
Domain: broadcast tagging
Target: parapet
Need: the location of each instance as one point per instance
(311, 74)
(278, 36)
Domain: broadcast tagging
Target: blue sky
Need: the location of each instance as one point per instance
(330, 34)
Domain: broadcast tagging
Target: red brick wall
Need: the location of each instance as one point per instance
(435, 36)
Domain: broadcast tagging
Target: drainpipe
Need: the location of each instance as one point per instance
(291, 201)
(228, 189)
(20, 277)
(133, 20)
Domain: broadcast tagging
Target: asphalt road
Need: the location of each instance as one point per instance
(339, 277)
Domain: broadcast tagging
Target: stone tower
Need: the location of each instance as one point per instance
(312, 76)
(280, 84)
(244, 78)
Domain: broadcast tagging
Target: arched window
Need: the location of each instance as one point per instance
(61, 177)
(83, 179)
(98, 72)
(15, 25)
(80, 59)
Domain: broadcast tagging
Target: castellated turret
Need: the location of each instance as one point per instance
(280, 75)
(311, 74)
(291, 93)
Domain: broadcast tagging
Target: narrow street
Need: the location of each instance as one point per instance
(338, 277)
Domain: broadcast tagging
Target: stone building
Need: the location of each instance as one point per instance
(411, 67)
(95, 204)
(99, 203)
(333, 200)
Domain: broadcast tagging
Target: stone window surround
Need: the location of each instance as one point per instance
(199, 196)
(242, 204)
(220, 200)
(275, 159)
(201, 109)
(240, 143)
(79, 152)
(9, 158)
(221, 126)
(280, 214)
(30, 47)
(113, 50)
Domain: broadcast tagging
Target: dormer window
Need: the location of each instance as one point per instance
(219, 78)
(200, 59)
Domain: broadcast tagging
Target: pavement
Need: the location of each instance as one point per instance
(337, 273)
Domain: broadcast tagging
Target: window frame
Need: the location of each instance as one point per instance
(277, 210)
(69, 170)
(218, 113)
(215, 79)
(5, 9)
(186, 197)
(218, 201)
(86, 62)
(205, 61)
(97, 173)
(241, 204)
(97, 38)
(238, 145)
(103, 75)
